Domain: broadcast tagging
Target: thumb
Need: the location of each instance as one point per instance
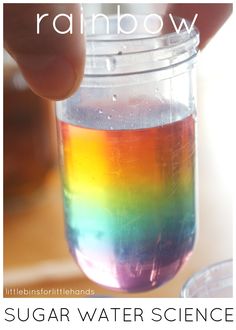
(52, 63)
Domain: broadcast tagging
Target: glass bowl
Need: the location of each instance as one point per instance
(215, 281)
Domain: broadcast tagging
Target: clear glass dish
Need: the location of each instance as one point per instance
(215, 281)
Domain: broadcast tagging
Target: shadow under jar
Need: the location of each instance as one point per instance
(127, 149)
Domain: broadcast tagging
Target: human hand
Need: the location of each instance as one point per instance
(53, 63)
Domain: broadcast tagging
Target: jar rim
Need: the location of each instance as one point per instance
(91, 37)
(110, 54)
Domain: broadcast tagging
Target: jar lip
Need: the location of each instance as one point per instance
(118, 54)
(136, 37)
(133, 73)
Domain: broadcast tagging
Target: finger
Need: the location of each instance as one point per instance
(210, 17)
(52, 63)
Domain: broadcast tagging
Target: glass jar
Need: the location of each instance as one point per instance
(29, 130)
(127, 149)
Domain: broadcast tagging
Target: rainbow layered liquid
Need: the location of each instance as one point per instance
(129, 200)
